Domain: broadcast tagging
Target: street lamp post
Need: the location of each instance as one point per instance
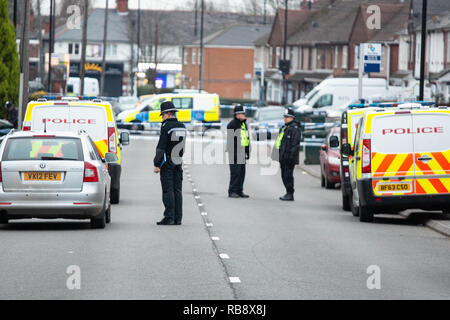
(284, 100)
(423, 49)
(200, 76)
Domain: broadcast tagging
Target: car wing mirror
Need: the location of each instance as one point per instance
(111, 157)
(334, 142)
(124, 138)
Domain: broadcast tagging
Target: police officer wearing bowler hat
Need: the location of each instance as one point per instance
(12, 114)
(238, 148)
(287, 152)
(168, 162)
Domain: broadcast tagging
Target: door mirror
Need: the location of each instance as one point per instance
(334, 142)
(347, 150)
(124, 138)
(323, 147)
(111, 157)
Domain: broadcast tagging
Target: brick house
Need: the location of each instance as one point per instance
(228, 64)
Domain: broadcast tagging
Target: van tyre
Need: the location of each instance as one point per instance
(365, 214)
(353, 209)
(115, 196)
(346, 202)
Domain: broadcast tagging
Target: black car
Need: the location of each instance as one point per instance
(5, 127)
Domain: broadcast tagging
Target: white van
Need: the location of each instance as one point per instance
(332, 93)
(91, 87)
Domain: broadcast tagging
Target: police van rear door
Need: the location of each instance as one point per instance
(431, 151)
(52, 117)
(392, 154)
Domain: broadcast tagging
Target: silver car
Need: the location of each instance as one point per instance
(54, 175)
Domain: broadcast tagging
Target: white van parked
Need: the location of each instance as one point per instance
(332, 93)
(91, 87)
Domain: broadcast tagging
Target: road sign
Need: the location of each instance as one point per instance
(372, 57)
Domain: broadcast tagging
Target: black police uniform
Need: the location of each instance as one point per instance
(287, 152)
(238, 148)
(12, 115)
(169, 154)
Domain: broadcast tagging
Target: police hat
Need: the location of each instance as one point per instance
(289, 113)
(238, 108)
(8, 104)
(167, 106)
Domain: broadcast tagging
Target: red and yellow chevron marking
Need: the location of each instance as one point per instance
(439, 165)
(38, 148)
(102, 147)
(433, 186)
(376, 182)
(384, 165)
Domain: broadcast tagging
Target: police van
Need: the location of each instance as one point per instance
(400, 160)
(74, 114)
(195, 110)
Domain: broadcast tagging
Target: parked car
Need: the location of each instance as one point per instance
(127, 103)
(5, 127)
(330, 162)
(267, 122)
(54, 175)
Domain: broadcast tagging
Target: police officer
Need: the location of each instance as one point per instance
(238, 148)
(168, 162)
(11, 114)
(287, 151)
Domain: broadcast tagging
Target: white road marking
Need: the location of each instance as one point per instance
(200, 204)
(215, 238)
(195, 190)
(208, 224)
(197, 197)
(224, 256)
(303, 172)
(204, 213)
(69, 251)
(235, 280)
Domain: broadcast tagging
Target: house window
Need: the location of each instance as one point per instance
(448, 47)
(336, 57)
(344, 57)
(194, 58)
(185, 59)
(70, 49)
(356, 63)
(77, 48)
(299, 58)
(277, 60)
(310, 58)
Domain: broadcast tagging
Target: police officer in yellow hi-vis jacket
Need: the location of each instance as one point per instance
(238, 148)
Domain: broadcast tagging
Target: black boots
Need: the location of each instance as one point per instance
(238, 195)
(166, 222)
(287, 197)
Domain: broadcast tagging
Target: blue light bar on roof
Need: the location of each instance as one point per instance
(68, 97)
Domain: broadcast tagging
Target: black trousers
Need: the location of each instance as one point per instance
(237, 176)
(287, 175)
(171, 182)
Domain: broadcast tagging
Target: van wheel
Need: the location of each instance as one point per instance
(115, 196)
(346, 202)
(108, 214)
(365, 214)
(353, 209)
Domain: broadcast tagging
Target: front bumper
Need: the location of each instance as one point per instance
(399, 203)
(71, 205)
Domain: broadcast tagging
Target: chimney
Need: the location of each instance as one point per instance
(122, 7)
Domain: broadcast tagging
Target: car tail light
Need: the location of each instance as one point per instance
(26, 128)
(90, 173)
(112, 139)
(366, 156)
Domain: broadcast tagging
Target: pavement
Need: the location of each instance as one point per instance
(436, 221)
(256, 248)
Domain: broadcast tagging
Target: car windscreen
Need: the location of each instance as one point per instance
(266, 115)
(43, 148)
(128, 100)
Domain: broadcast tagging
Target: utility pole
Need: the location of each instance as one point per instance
(195, 18)
(15, 14)
(138, 35)
(284, 101)
(265, 11)
(200, 76)
(105, 36)
(423, 46)
(50, 47)
(24, 63)
(83, 46)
